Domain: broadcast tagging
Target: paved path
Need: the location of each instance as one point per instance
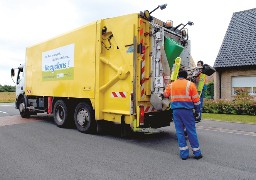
(36, 149)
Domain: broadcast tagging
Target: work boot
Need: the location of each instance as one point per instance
(198, 157)
(185, 158)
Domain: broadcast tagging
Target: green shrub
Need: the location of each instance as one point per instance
(240, 105)
(209, 90)
(7, 88)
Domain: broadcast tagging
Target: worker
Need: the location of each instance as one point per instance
(201, 86)
(184, 101)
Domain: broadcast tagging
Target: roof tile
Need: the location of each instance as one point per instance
(239, 45)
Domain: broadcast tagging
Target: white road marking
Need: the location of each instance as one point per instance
(230, 131)
(3, 112)
(7, 105)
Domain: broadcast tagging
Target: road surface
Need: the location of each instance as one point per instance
(36, 149)
(8, 109)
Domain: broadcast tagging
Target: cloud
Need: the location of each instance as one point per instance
(24, 23)
(28, 22)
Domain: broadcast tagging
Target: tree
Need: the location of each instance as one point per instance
(7, 88)
(209, 92)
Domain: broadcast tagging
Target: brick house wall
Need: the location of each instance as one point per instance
(224, 91)
(237, 55)
(216, 85)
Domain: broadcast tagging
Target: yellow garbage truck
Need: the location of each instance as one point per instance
(114, 69)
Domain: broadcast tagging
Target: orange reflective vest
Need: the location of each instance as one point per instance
(183, 94)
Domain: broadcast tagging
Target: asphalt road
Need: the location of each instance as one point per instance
(39, 150)
(8, 109)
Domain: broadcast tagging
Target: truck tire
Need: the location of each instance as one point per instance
(60, 113)
(24, 113)
(84, 118)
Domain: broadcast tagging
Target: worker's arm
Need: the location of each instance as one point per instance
(167, 91)
(195, 97)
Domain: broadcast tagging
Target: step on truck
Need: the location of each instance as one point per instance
(114, 69)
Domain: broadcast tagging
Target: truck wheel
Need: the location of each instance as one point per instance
(60, 112)
(22, 108)
(84, 118)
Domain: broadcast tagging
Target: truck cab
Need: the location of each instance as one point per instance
(20, 88)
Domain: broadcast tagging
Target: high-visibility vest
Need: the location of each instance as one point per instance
(183, 94)
(201, 82)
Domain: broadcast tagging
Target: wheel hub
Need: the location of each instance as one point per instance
(82, 117)
(22, 107)
(60, 114)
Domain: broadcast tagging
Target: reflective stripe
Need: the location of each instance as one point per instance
(187, 88)
(197, 103)
(196, 149)
(180, 96)
(183, 90)
(195, 96)
(183, 148)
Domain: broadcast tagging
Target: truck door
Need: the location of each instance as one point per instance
(20, 81)
(114, 67)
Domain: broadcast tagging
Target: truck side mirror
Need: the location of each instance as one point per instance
(12, 72)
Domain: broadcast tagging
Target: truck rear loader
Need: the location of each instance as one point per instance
(113, 70)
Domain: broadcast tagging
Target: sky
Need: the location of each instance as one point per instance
(28, 22)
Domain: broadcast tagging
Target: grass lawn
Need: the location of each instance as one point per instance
(230, 118)
(7, 97)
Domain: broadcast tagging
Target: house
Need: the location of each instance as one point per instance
(236, 61)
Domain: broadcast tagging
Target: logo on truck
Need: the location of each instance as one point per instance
(58, 64)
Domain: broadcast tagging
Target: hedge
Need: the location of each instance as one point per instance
(240, 105)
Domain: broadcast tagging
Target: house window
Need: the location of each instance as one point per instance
(254, 90)
(244, 83)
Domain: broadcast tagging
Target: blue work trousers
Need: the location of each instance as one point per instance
(202, 101)
(184, 118)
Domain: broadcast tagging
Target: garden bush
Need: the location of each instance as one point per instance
(241, 104)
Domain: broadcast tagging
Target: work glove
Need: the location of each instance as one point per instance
(197, 117)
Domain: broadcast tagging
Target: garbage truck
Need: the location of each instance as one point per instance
(112, 70)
